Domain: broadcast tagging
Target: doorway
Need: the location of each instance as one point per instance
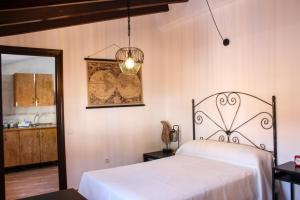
(32, 137)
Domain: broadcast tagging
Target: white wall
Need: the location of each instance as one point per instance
(262, 59)
(184, 59)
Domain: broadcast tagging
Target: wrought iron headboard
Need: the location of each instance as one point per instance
(234, 99)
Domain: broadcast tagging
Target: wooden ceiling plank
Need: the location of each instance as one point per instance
(17, 16)
(78, 20)
(28, 4)
(17, 4)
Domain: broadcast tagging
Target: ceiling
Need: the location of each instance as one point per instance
(10, 58)
(18, 17)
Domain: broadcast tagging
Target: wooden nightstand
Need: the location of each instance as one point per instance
(286, 172)
(156, 155)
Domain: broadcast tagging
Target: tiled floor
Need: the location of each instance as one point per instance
(31, 182)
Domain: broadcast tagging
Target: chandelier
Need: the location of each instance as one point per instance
(130, 59)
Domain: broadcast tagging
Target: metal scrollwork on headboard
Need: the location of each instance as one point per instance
(229, 132)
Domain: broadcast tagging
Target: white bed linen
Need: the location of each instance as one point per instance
(178, 177)
(237, 154)
(200, 170)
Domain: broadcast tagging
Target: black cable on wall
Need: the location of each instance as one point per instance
(226, 41)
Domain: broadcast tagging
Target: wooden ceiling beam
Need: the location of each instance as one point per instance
(43, 13)
(41, 25)
(27, 4)
(17, 4)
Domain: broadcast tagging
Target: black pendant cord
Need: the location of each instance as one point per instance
(128, 12)
(226, 40)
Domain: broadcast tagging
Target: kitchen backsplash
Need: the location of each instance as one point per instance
(47, 114)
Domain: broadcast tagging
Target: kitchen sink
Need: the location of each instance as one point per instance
(42, 124)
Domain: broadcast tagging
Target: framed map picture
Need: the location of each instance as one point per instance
(109, 87)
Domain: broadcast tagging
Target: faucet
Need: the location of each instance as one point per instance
(36, 118)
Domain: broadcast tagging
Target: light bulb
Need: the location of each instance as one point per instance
(129, 63)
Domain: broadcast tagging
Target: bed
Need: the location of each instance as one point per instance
(224, 164)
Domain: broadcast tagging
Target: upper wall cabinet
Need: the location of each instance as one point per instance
(24, 90)
(44, 89)
(33, 90)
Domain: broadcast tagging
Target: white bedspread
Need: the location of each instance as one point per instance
(182, 177)
(178, 177)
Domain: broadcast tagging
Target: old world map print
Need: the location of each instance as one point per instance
(108, 86)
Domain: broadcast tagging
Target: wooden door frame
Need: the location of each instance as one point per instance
(58, 54)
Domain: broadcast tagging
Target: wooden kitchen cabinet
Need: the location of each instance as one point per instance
(33, 90)
(30, 147)
(48, 141)
(24, 90)
(11, 148)
(44, 89)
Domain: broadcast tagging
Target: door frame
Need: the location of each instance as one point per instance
(58, 54)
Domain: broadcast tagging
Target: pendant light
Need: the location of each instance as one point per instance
(130, 59)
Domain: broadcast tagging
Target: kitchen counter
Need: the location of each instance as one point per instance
(30, 128)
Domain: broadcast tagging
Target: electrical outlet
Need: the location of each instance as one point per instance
(107, 160)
